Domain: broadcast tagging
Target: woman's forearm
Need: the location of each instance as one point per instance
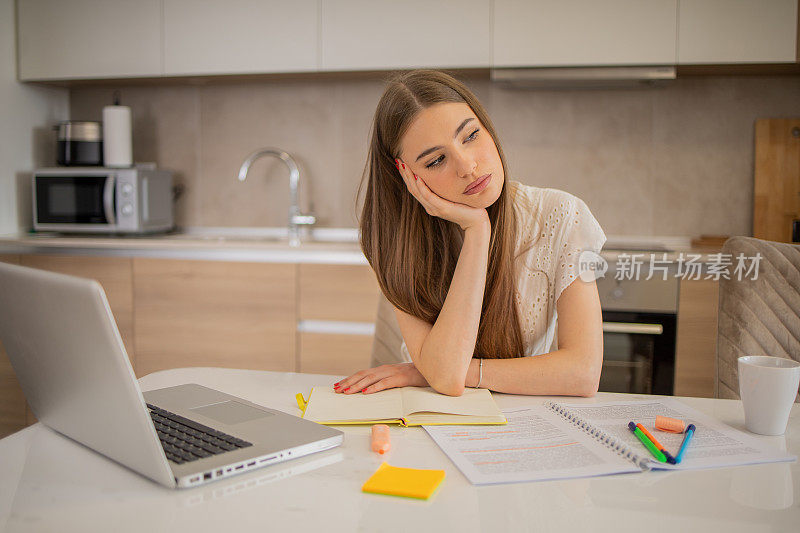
(564, 372)
(449, 346)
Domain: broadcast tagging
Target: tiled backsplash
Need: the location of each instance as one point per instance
(676, 160)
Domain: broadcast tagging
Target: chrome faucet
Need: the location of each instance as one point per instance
(296, 218)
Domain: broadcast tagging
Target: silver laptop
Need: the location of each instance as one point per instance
(69, 358)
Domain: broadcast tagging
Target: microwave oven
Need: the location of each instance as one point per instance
(102, 200)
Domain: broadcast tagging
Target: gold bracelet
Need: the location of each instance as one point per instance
(480, 374)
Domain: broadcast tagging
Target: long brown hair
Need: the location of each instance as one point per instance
(414, 254)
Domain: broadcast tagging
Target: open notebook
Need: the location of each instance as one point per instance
(409, 406)
(562, 441)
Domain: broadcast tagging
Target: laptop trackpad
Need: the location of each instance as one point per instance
(231, 412)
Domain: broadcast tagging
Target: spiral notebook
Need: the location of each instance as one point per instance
(561, 441)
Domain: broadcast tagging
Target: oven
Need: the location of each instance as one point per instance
(639, 332)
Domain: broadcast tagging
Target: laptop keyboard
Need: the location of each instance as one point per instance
(184, 440)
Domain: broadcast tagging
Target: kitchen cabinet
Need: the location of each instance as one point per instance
(776, 187)
(584, 32)
(214, 313)
(385, 34)
(240, 36)
(737, 31)
(12, 400)
(331, 353)
(85, 39)
(337, 305)
(88, 39)
(251, 315)
(113, 273)
(115, 276)
(696, 346)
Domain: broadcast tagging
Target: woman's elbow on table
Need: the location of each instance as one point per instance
(590, 379)
(448, 387)
(590, 387)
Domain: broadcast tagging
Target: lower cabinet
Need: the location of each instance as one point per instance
(12, 401)
(337, 306)
(214, 313)
(333, 353)
(696, 347)
(314, 318)
(113, 273)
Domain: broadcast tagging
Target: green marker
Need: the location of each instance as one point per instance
(647, 444)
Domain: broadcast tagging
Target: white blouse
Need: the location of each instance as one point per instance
(554, 227)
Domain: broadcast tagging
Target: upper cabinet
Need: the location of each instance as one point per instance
(387, 34)
(240, 36)
(584, 32)
(737, 31)
(83, 39)
(77, 39)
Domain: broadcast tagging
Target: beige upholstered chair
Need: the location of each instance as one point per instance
(388, 339)
(758, 316)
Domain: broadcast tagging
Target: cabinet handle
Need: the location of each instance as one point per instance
(633, 328)
(336, 327)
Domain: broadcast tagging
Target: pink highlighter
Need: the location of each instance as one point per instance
(380, 438)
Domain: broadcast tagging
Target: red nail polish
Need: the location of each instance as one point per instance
(404, 165)
(336, 384)
(347, 389)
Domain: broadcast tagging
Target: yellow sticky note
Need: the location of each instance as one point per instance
(408, 482)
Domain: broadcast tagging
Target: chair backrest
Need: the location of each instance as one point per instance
(387, 343)
(758, 316)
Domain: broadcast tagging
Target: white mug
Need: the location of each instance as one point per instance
(768, 387)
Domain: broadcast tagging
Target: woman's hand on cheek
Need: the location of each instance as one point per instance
(464, 215)
(382, 377)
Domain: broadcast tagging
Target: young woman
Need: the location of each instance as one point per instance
(478, 268)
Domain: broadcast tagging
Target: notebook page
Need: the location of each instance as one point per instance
(477, 402)
(536, 444)
(325, 405)
(713, 445)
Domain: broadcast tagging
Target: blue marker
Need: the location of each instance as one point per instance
(685, 443)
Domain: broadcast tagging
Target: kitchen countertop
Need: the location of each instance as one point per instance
(332, 246)
(325, 245)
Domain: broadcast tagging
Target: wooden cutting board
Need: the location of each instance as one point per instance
(776, 194)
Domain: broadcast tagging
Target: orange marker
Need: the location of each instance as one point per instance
(658, 445)
(380, 438)
(671, 425)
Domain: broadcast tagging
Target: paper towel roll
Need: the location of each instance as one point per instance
(117, 144)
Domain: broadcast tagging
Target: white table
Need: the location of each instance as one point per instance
(50, 483)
